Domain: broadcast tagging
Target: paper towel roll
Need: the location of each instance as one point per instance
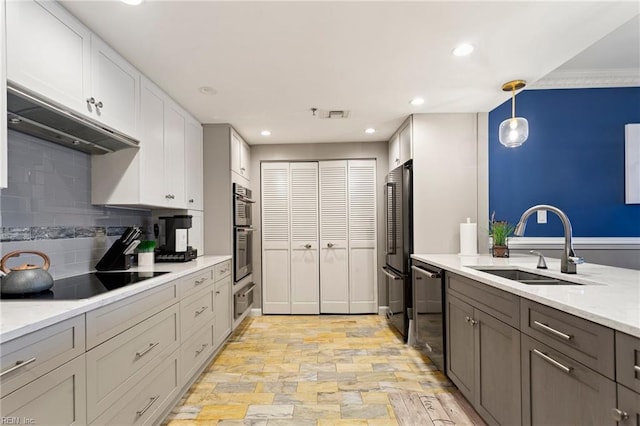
(468, 238)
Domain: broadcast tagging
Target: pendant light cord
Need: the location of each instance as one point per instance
(513, 103)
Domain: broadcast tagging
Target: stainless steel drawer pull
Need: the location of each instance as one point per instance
(619, 415)
(635, 367)
(146, 350)
(199, 351)
(201, 310)
(553, 331)
(553, 362)
(200, 281)
(144, 410)
(390, 275)
(19, 364)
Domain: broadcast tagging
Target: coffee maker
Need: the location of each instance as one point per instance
(176, 247)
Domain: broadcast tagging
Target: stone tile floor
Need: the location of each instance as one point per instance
(308, 370)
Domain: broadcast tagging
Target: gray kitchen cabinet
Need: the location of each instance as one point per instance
(401, 144)
(196, 311)
(56, 398)
(628, 361)
(194, 165)
(240, 155)
(559, 390)
(196, 350)
(627, 412)
(223, 312)
(26, 358)
(483, 360)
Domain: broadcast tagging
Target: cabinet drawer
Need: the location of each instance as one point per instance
(629, 403)
(628, 361)
(105, 322)
(588, 343)
(147, 400)
(221, 270)
(497, 303)
(195, 311)
(57, 398)
(196, 282)
(26, 358)
(195, 351)
(118, 364)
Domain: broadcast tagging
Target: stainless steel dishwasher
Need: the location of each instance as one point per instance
(428, 312)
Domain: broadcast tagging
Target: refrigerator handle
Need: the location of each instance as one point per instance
(391, 219)
(390, 275)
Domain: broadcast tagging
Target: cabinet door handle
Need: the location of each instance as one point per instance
(473, 322)
(619, 415)
(553, 331)
(200, 281)
(144, 410)
(201, 310)
(217, 291)
(199, 351)
(553, 362)
(637, 368)
(146, 350)
(91, 101)
(467, 319)
(191, 200)
(19, 364)
(99, 104)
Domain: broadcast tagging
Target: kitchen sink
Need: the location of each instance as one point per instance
(525, 277)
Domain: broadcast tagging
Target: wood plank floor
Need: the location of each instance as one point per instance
(321, 371)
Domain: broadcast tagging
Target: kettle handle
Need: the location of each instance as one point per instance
(17, 253)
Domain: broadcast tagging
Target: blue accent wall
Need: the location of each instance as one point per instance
(573, 159)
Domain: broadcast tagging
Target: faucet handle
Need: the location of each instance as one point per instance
(576, 260)
(541, 262)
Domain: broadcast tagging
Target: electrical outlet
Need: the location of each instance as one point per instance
(542, 216)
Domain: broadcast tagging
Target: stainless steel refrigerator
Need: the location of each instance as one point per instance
(398, 191)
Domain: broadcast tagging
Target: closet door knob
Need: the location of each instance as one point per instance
(307, 246)
(330, 245)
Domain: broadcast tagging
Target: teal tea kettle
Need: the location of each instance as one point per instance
(25, 278)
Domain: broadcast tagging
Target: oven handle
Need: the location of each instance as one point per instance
(247, 292)
(429, 274)
(243, 229)
(244, 199)
(390, 275)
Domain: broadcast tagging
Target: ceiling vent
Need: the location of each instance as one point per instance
(333, 114)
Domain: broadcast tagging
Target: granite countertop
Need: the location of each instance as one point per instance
(608, 296)
(18, 317)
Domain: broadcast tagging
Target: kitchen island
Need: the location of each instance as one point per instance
(564, 352)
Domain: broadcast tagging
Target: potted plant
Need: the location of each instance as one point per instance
(146, 252)
(499, 231)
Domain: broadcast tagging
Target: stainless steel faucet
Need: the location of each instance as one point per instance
(569, 259)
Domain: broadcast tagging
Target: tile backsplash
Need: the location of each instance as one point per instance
(47, 207)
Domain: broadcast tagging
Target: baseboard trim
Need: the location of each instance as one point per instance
(255, 312)
(382, 310)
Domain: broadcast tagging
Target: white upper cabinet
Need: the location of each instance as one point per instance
(401, 144)
(151, 153)
(175, 126)
(194, 166)
(3, 99)
(51, 53)
(240, 155)
(114, 98)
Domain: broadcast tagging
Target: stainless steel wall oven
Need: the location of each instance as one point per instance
(243, 232)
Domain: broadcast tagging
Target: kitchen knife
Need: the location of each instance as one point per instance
(132, 246)
(126, 234)
(130, 236)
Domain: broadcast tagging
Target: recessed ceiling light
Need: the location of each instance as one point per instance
(416, 101)
(207, 90)
(370, 130)
(132, 2)
(265, 133)
(463, 49)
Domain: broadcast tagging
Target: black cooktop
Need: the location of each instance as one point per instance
(85, 286)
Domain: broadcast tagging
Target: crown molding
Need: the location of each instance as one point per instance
(628, 77)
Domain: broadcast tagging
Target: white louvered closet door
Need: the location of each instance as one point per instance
(334, 254)
(363, 277)
(305, 274)
(276, 296)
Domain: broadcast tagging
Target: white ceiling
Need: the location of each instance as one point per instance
(270, 62)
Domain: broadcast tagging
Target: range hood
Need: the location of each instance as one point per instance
(29, 113)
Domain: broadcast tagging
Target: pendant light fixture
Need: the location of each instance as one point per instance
(515, 130)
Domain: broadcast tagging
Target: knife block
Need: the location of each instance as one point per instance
(114, 258)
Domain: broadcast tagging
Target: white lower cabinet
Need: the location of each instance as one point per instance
(56, 398)
(141, 353)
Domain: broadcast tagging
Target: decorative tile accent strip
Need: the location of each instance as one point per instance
(91, 231)
(52, 232)
(15, 234)
(113, 231)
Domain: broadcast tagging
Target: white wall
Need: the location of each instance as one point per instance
(445, 179)
(311, 152)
